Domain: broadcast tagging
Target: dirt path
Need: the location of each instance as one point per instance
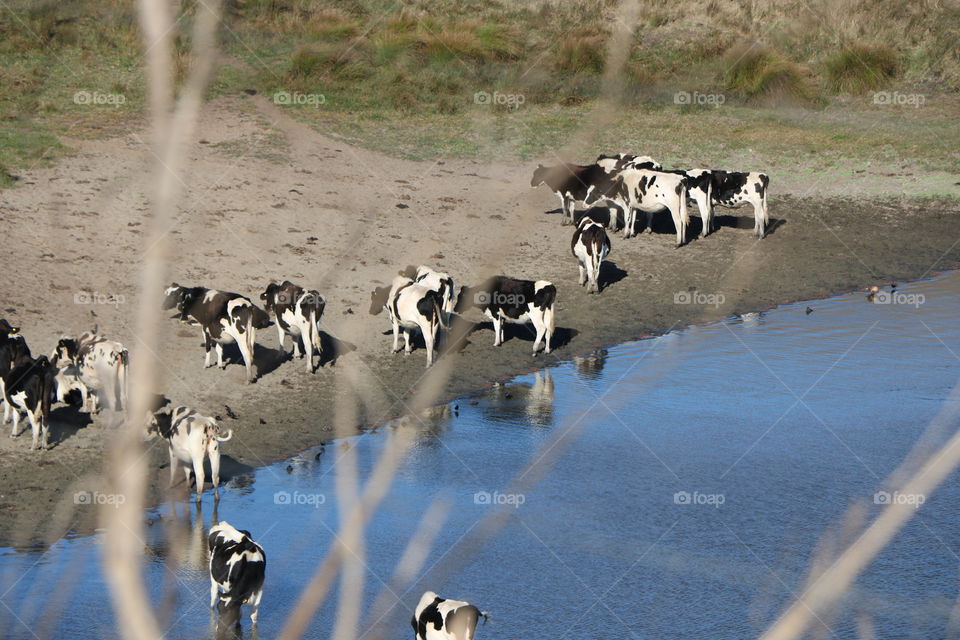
(269, 198)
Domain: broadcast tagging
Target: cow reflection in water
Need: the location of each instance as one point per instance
(590, 366)
(523, 400)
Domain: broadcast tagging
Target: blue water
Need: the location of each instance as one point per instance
(710, 464)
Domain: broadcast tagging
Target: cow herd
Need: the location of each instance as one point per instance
(92, 370)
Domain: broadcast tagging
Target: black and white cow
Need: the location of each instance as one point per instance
(590, 245)
(297, 313)
(735, 188)
(439, 281)
(224, 318)
(29, 390)
(100, 364)
(436, 618)
(191, 438)
(651, 191)
(13, 351)
(238, 566)
(411, 307)
(574, 183)
(700, 191)
(504, 299)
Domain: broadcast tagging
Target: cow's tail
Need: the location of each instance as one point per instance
(47, 390)
(123, 359)
(440, 314)
(222, 438)
(684, 213)
(765, 179)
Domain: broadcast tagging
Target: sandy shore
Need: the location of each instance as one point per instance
(268, 198)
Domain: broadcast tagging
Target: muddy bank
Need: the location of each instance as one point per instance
(328, 218)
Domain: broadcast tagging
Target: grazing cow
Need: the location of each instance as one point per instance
(411, 307)
(590, 245)
(29, 389)
(574, 183)
(436, 618)
(100, 364)
(13, 351)
(238, 566)
(439, 281)
(224, 318)
(734, 188)
(297, 313)
(504, 299)
(191, 437)
(651, 191)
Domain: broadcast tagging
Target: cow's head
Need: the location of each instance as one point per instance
(539, 175)
(7, 328)
(378, 300)
(173, 296)
(269, 295)
(466, 299)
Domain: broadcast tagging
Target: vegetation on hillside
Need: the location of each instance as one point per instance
(443, 68)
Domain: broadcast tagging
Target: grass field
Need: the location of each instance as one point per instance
(703, 83)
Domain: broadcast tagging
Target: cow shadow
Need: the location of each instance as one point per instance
(64, 423)
(610, 274)
(562, 336)
(663, 222)
(267, 359)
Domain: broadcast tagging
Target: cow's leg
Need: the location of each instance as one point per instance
(16, 423)
(429, 338)
(679, 224)
(214, 593)
(705, 216)
(308, 334)
(34, 430)
(567, 208)
(396, 335)
(219, 349)
(246, 349)
(174, 464)
(296, 340)
(406, 340)
(759, 219)
(254, 602)
(582, 279)
(207, 345)
(281, 334)
(540, 328)
(198, 473)
(497, 322)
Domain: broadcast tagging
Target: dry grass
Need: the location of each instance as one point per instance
(861, 67)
